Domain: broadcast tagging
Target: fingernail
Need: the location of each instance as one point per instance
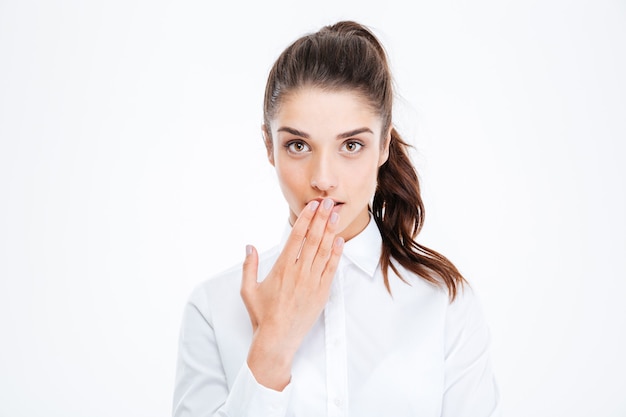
(339, 242)
(313, 205)
(328, 203)
(333, 218)
(248, 250)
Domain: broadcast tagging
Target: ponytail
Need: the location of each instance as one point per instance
(399, 214)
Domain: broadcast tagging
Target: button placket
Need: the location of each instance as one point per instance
(336, 359)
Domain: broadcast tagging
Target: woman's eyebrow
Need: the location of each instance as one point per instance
(354, 132)
(293, 132)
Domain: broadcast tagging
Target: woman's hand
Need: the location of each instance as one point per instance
(285, 305)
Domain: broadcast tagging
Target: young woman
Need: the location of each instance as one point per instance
(348, 315)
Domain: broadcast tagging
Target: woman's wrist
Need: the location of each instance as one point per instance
(270, 361)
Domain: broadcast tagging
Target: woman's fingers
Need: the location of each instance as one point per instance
(324, 250)
(331, 266)
(299, 232)
(249, 276)
(250, 268)
(307, 251)
(319, 236)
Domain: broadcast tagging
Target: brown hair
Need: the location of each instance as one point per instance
(348, 55)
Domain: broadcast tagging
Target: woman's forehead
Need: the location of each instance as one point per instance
(316, 105)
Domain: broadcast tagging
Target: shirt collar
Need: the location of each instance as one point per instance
(363, 250)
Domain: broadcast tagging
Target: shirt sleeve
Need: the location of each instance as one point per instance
(470, 386)
(201, 388)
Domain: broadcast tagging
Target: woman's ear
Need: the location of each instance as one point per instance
(268, 144)
(384, 151)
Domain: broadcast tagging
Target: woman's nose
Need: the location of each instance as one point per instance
(322, 175)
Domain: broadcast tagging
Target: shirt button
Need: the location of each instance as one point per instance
(337, 402)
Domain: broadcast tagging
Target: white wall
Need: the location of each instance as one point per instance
(131, 168)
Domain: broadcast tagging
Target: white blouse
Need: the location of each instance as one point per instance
(371, 353)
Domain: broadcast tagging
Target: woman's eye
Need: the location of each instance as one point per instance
(352, 147)
(297, 147)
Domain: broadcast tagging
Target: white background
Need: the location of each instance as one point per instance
(132, 168)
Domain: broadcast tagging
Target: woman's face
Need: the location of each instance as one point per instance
(328, 144)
